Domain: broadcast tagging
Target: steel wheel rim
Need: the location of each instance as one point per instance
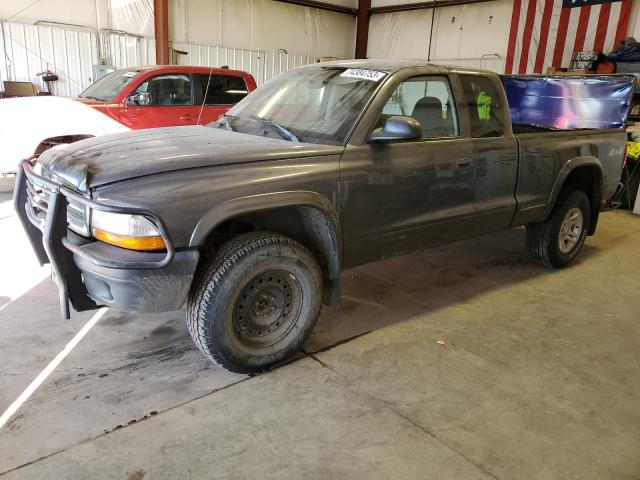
(267, 308)
(571, 230)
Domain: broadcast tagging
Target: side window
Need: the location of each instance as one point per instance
(483, 103)
(172, 89)
(428, 99)
(223, 89)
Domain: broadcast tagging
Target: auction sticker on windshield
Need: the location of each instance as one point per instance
(363, 74)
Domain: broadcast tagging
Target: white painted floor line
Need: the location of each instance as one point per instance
(33, 386)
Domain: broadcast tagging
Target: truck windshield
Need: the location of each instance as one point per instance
(311, 105)
(109, 86)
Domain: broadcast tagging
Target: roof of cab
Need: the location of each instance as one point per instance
(186, 68)
(396, 65)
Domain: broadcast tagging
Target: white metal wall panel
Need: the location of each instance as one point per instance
(261, 64)
(26, 50)
(122, 51)
(30, 49)
(464, 35)
(491, 62)
(263, 25)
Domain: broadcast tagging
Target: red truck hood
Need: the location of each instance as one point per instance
(88, 101)
(97, 104)
(112, 158)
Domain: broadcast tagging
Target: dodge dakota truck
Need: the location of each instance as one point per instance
(249, 222)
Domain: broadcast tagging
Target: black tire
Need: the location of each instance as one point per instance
(543, 239)
(256, 302)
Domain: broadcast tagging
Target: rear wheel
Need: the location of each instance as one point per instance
(256, 303)
(558, 240)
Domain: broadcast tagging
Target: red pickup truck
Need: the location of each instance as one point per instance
(167, 95)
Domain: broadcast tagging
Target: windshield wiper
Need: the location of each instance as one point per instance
(90, 97)
(284, 133)
(225, 119)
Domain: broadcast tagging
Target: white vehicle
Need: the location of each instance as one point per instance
(31, 125)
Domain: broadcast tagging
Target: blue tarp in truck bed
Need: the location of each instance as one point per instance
(568, 102)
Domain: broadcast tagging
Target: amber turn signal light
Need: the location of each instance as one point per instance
(130, 243)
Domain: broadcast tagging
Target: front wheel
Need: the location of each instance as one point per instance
(558, 240)
(256, 303)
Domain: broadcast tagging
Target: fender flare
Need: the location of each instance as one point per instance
(565, 171)
(264, 201)
(319, 216)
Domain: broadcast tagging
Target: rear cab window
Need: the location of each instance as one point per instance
(483, 101)
(221, 89)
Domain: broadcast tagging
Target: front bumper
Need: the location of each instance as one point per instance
(136, 290)
(88, 273)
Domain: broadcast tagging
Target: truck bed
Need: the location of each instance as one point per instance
(546, 153)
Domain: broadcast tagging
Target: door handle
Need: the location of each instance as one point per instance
(464, 163)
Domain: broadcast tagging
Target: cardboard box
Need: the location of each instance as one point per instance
(580, 72)
(19, 89)
(568, 73)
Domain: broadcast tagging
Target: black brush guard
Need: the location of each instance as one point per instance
(50, 240)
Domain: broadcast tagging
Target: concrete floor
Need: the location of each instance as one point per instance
(464, 362)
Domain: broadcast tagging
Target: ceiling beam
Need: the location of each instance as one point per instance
(405, 7)
(322, 6)
(362, 28)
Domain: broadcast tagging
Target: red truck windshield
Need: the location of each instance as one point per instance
(109, 86)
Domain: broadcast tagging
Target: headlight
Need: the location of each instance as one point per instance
(133, 232)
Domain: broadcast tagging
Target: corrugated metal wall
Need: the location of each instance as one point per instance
(26, 50)
(488, 62)
(122, 50)
(71, 53)
(261, 64)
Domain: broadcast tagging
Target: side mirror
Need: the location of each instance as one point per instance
(139, 98)
(397, 128)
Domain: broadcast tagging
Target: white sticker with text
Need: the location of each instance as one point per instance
(363, 74)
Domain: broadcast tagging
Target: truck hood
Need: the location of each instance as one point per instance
(112, 158)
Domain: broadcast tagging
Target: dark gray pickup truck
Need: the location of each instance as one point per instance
(250, 221)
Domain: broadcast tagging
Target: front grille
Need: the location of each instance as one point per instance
(77, 218)
(38, 205)
(37, 202)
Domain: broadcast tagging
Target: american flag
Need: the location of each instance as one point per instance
(545, 33)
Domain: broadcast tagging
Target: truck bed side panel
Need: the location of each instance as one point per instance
(543, 156)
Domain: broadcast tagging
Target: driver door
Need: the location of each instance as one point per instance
(170, 103)
(407, 195)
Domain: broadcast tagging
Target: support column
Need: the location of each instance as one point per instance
(161, 23)
(362, 32)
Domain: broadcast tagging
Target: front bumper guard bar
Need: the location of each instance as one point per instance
(51, 244)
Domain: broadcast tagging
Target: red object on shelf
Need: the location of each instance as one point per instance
(606, 68)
